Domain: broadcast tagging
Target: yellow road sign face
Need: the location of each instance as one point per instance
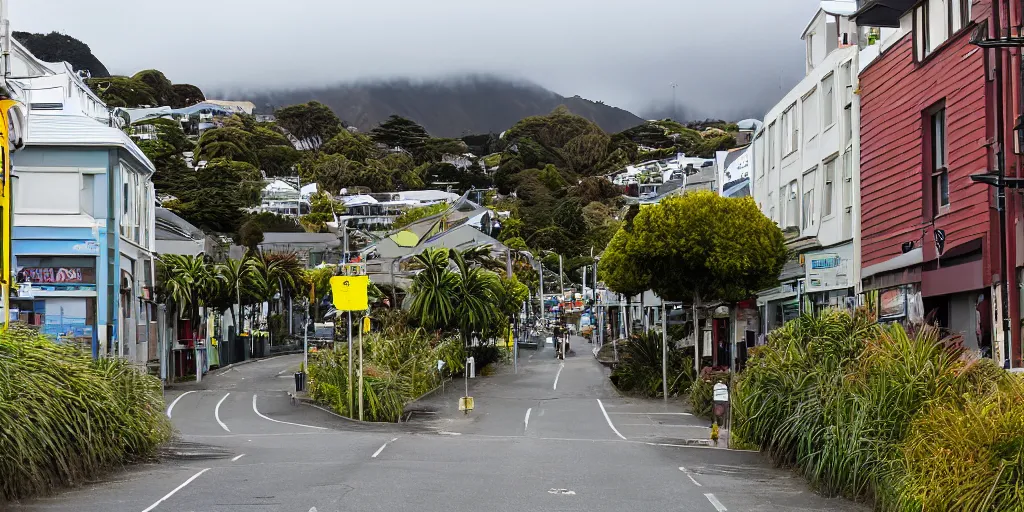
(349, 293)
(466, 403)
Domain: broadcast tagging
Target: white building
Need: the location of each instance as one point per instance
(806, 171)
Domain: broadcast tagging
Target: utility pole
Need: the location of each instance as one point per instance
(561, 284)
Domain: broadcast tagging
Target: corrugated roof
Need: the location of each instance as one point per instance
(60, 130)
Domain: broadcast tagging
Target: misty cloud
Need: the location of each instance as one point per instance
(728, 57)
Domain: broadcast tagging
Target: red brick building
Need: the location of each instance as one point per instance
(928, 122)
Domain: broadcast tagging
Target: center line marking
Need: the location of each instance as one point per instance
(176, 489)
(237, 457)
(527, 420)
(560, 367)
(216, 413)
(687, 473)
(714, 501)
(175, 402)
(609, 420)
(376, 453)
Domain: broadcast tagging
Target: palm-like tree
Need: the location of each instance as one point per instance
(233, 278)
(434, 290)
(476, 304)
(189, 282)
(268, 274)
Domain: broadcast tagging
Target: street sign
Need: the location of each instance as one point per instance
(350, 292)
(466, 403)
(721, 393)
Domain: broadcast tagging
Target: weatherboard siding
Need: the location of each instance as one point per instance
(895, 94)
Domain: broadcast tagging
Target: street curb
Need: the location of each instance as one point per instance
(312, 403)
(222, 369)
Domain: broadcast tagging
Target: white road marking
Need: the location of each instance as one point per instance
(560, 368)
(237, 457)
(654, 413)
(175, 402)
(527, 420)
(216, 413)
(312, 509)
(376, 453)
(687, 473)
(717, 504)
(176, 489)
(258, 413)
(562, 491)
(609, 420)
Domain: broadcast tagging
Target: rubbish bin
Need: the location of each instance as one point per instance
(300, 382)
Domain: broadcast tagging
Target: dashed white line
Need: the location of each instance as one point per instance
(176, 489)
(687, 473)
(216, 413)
(258, 413)
(654, 413)
(714, 502)
(175, 402)
(561, 366)
(237, 457)
(385, 445)
(609, 420)
(527, 420)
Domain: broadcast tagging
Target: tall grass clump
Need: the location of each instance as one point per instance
(872, 412)
(65, 418)
(399, 365)
(638, 371)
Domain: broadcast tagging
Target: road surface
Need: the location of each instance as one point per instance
(553, 436)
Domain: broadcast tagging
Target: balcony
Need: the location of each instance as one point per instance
(882, 13)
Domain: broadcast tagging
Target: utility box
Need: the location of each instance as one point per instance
(720, 404)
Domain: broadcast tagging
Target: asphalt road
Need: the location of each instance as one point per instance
(550, 436)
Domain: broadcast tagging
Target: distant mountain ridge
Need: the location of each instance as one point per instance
(446, 107)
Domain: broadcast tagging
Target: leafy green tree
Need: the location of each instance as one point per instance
(620, 270)
(702, 248)
(515, 243)
(172, 173)
(312, 123)
(228, 143)
(433, 149)
(568, 215)
(122, 91)
(476, 306)
(323, 209)
(354, 146)
(400, 132)
(434, 291)
(332, 172)
(186, 95)
(278, 160)
(214, 196)
(163, 89)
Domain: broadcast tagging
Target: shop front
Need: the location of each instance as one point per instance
(56, 288)
(828, 279)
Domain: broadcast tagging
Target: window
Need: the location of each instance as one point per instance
(846, 82)
(793, 205)
(940, 174)
(54, 191)
(810, 51)
(783, 206)
(935, 21)
(828, 101)
(771, 146)
(790, 134)
(807, 204)
(809, 114)
(771, 207)
(829, 190)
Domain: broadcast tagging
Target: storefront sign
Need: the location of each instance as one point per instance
(828, 270)
(57, 275)
(892, 304)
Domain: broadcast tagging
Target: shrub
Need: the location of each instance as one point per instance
(66, 418)
(639, 369)
(879, 413)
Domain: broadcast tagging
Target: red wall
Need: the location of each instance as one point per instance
(895, 93)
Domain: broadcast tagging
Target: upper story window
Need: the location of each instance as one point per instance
(771, 145)
(828, 100)
(809, 114)
(935, 21)
(790, 133)
(940, 172)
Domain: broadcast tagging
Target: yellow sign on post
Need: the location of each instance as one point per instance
(349, 293)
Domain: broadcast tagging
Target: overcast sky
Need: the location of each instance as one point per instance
(726, 55)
